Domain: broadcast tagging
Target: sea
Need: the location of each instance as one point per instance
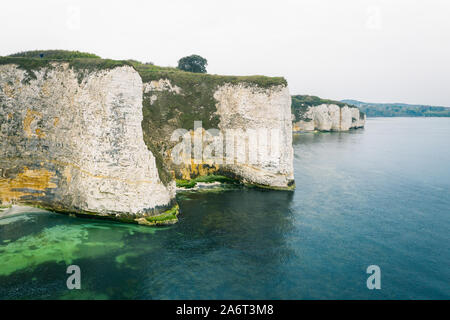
(378, 196)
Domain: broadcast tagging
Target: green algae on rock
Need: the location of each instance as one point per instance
(166, 218)
(56, 244)
(66, 243)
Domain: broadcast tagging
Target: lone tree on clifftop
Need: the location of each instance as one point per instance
(193, 63)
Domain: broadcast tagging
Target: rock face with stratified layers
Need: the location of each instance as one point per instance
(251, 118)
(261, 127)
(72, 141)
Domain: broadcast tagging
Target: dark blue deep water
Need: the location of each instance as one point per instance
(377, 196)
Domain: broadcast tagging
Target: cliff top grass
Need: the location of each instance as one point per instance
(54, 54)
(31, 61)
(312, 101)
(184, 78)
(30, 65)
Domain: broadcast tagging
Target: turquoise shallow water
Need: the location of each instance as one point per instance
(375, 196)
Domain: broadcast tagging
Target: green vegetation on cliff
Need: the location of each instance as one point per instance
(54, 54)
(193, 63)
(183, 78)
(163, 110)
(37, 59)
(81, 65)
(311, 101)
(167, 110)
(168, 217)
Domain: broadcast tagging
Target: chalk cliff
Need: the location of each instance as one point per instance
(246, 113)
(244, 108)
(94, 137)
(73, 142)
(312, 113)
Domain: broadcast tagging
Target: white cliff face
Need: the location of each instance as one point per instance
(74, 146)
(260, 120)
(161, 85)
(330, 117)
(358, 119)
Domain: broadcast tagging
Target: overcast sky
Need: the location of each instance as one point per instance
(370, 50)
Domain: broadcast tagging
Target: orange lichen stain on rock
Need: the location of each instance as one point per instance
(14, 189)
(29, 118)
(193, 170)
(185, 173)
(10, 116)
(39, 133)
(8, 90)
(55, 121)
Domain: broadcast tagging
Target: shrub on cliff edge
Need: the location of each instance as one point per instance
(193, 63)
